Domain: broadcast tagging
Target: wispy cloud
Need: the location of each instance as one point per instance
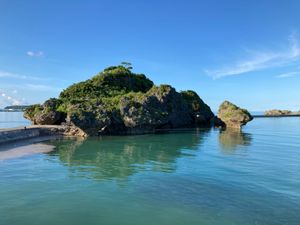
(9, 100)
(35, 54)
(4, 74)
(30, 87)
(41, 87)
(260, 60)
(289, 74)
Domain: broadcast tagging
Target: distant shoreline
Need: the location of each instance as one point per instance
(5, 110)
(14, 108)
(265, 116)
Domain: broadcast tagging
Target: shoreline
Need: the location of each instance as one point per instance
(270, 116)
(12, 135)
(19, 142)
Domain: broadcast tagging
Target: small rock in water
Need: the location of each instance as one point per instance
(233, 116)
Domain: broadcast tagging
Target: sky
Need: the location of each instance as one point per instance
(247, 52)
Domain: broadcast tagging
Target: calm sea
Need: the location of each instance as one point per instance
(12, 119)
(190, 177)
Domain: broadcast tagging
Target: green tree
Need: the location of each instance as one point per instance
(127, 65)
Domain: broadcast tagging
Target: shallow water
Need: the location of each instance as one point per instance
(188, 177)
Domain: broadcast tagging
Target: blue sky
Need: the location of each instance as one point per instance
(247, 52)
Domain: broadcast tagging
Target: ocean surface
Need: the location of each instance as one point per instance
(188, 177)
(12, 120)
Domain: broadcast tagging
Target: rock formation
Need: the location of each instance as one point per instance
(45, 114)
(278, 112)
(232, 116)
(118, 101)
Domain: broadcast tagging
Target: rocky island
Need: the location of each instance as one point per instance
(278, 112)
(232, 116)
(118, 101)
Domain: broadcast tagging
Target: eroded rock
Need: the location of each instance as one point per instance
(45, 114)
(233, 116)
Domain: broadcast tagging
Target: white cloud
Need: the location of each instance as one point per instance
(261, 60)
(35, 54)
(4, 74)
(8, 100)
(289, 74)
(294, 44)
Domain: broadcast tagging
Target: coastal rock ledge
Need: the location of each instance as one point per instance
(278, 112)
(232, 116)
(118, 101)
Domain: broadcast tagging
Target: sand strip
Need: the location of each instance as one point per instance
(25, 150)
(25, 147)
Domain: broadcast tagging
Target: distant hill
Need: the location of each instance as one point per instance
(14, 108)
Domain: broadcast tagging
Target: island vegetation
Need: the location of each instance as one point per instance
(119, 101)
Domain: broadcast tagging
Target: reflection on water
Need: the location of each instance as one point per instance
(176, 178)
(120, 157)
(230, 140)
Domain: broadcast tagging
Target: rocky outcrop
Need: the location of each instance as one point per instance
(45, 114)
(117, 101)
(201, 111)
(278, 112)
(232, 116)
(60, 130)
(161, 107)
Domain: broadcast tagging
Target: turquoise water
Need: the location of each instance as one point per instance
(12, 119)
(188, 177)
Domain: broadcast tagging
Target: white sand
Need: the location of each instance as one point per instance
(24, 150)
